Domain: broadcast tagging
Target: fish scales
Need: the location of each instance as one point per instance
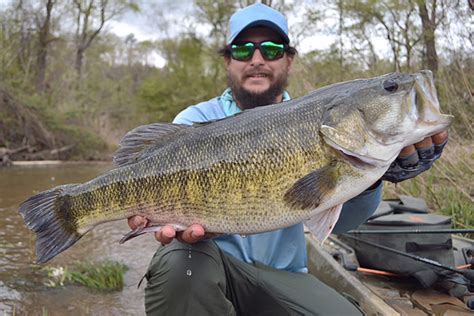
(240, 182)
(263, 169)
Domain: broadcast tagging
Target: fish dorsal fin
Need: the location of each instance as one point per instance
(309, 191)
(143, 140)
(204, 123)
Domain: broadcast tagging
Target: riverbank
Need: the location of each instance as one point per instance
(32, 132)
(27, 163)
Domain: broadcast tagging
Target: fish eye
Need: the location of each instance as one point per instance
(390, 85)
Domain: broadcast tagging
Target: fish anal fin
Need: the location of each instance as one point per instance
(139, 231)
(148, 229)
(310, 191)
(140, 142)
(322, 223)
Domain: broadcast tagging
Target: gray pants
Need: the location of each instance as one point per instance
(201, 280)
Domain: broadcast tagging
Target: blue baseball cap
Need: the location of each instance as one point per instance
(257, 14)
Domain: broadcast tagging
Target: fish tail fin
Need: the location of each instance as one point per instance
(44, 216)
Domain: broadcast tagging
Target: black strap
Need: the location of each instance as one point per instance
(416, 247)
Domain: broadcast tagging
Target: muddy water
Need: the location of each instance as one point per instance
(22, 289)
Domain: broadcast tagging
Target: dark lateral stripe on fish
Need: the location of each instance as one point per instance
(42, 214)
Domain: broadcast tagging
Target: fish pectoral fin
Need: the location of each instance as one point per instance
(142, 141)
(139, 231)
(309, 191)
(322, 223)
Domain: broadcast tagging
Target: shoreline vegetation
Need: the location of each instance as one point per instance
(58, 162)
(70, 92)
(103, 276)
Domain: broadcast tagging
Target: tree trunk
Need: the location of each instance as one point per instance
(44, 40)
(79, 61)
(84, 36)
(340, 31)
(429, 26)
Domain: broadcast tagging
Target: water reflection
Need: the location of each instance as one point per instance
(22, 289)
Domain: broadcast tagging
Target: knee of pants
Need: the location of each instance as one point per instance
(180, 268)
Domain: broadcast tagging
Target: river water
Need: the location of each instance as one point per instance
(22, 282)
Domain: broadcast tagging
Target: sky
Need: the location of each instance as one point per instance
(179, 15)
(160, 19)
(176, 15)
(149, 24)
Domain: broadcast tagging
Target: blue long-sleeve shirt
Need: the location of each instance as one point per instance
(284, 248)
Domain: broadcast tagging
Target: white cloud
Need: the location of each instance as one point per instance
(125, 28)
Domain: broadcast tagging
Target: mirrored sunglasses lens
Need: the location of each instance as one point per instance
(242, 52)
(272, 50)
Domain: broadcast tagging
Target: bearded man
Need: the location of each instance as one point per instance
(261, 274)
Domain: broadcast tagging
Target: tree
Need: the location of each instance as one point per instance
(44, 39)
(91, 16)
(188, 78)
(392, 18)
(216, 14)
(429, 22)
(406, 24)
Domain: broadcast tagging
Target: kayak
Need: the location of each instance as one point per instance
(382, 281)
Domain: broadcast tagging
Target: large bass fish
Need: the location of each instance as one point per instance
(260, 170)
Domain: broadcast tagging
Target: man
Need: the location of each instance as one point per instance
(261, 274)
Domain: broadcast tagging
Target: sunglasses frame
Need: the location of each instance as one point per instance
(254, 48)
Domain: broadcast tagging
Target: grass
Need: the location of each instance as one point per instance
(104, 276)
(448, 187)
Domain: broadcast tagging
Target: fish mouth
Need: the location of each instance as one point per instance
(426, 108)
(357, 161)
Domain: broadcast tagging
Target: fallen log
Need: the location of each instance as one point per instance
(7, 154)
(48, 154)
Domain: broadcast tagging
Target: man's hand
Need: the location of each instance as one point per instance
(192, 234)
(417, 158)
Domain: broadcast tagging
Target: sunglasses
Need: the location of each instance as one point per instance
(269, 50)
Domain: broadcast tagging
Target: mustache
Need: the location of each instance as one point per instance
(258, 71)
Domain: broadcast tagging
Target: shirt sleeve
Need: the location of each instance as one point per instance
(358, 209)
(189, 116)
(201, 112)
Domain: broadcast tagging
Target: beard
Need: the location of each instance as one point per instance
(248, 99)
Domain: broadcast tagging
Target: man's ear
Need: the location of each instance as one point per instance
(227, 60)
(290, 62)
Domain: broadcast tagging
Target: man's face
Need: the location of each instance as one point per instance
(258, 81)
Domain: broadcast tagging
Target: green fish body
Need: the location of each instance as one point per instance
(260, 170)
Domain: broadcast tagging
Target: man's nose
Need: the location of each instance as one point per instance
(257, 58)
